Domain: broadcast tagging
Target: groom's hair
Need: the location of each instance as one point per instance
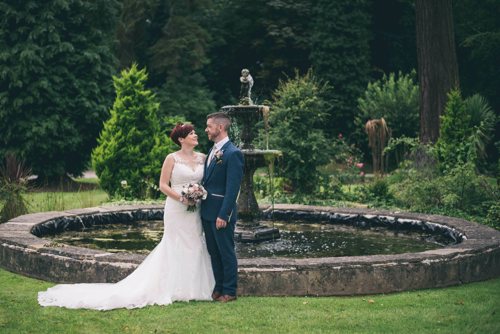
(221, 117)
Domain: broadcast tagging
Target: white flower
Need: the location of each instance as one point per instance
(124, 183)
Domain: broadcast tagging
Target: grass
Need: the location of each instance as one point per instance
(42, 200)
(59, 201)
(471, 308)
(90, 180)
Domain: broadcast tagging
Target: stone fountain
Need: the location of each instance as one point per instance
(26, 246)
(246, 115)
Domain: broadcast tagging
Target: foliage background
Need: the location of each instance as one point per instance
(56, 63)
(57, 59)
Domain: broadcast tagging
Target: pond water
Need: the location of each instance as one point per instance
(298, 240)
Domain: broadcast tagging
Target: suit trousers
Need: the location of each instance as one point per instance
(220, 245)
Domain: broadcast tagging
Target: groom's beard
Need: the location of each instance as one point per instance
(212, 137)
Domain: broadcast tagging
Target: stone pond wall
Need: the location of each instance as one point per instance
(475, 257)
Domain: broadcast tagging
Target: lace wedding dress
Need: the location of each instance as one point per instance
(178, 269)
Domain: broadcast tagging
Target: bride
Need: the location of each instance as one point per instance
(178, 269)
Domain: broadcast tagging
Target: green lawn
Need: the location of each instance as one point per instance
(471, 308)
(59, 201)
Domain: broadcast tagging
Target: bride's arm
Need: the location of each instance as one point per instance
(166, 174)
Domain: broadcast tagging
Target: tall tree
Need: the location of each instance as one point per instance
(393, 44)
(139, 25)
(477, 31)
(171, 39)
(270, 38)
(341, 56)
(56, 64)
(437, 62)
(178, 57)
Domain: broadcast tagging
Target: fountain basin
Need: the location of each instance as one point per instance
(298, 239)
(475, 257)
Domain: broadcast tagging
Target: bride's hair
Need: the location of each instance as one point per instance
(180, 131)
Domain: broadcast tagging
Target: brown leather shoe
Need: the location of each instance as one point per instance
(216, 295)
(227, 298)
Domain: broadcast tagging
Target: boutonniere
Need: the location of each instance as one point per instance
(218, 156)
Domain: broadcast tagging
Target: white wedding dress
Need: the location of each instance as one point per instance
(178, 269)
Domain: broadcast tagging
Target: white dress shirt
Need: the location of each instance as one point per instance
(217, 147)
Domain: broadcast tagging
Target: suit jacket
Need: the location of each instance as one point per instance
(222, 179)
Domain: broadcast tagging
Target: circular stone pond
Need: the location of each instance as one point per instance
(298, 239)
(444, 251)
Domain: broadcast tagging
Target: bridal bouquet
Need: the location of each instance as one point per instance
(193, 192)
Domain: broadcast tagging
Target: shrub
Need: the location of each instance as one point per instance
(466, 127)
(266, 187)
(493, 215)
(402, 147)
(296, 120)
(132, 145)
(379, 188)
(13, 181)
(346, 162)
(444, 178)
(396, 100)
(460, 189)
(393, 98)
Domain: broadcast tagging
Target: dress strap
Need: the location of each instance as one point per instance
(177, 159)
(199, 160)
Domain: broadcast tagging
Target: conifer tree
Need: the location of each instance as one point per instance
(132, 145)
(56, 64)
(295, 122)
(341, 56)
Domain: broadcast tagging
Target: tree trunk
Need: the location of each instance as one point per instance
(437, 62)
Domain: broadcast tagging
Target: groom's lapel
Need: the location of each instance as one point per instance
(211, 165)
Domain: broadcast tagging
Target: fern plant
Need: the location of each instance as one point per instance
(466, 127)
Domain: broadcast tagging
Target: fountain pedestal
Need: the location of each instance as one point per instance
(248, 228)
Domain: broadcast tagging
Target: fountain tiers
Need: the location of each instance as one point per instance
(476, 258)
(248, 228)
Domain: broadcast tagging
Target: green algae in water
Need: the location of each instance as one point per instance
(298, 240)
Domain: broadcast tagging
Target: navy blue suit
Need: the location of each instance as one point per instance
(222, 179)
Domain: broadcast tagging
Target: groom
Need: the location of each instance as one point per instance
(222, 179)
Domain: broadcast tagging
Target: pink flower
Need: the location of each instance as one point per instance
(359, 165)
(218, 156)
(340, 136)
(362, 174)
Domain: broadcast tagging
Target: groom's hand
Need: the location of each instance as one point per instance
(220, 223)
